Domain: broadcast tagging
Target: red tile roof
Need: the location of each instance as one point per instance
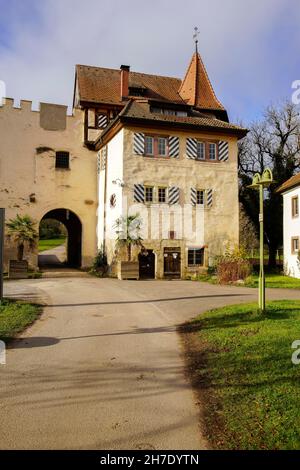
(102, 85)
(289, 184)
(196, 88)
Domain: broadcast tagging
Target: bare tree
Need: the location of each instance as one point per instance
(274, 142)
(248, 233)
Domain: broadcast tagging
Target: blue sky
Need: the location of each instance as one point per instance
(251, 49)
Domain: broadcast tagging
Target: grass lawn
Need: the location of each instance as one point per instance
(15, 316)
(275, 280)
(272, 280)
(240, 365)
(51, 243)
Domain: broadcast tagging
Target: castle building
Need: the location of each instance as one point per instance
(155, 146)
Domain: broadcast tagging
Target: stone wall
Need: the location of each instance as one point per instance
(218, 226)
(30, 183)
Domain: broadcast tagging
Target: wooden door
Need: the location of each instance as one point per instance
(172, 262)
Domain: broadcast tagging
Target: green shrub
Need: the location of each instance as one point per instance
(100, 260)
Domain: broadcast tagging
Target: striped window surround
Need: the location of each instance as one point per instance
(143, 144)
(199, 199)
(174, 195)
(194, 151)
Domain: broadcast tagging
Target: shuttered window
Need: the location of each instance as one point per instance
(156, 146)
(203, 150)
(200, 197)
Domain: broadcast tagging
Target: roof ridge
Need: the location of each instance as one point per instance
(131, 71)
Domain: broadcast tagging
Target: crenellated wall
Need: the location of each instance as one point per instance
(30, 183)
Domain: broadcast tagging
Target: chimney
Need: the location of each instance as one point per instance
(124, 80)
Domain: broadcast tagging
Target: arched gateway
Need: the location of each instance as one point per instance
(74, 227)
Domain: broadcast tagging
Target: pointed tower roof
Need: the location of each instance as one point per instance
(196, 89)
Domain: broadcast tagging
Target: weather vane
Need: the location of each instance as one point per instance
(195, 37)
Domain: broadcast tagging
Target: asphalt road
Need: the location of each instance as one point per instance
(102, 368)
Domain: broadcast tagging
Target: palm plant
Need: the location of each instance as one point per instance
(22, 230)
(128, 230)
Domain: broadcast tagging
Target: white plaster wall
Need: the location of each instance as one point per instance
(218, 225)
(291, 228)
(114, 171)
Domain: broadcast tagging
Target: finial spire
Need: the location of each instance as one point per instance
(195, 37)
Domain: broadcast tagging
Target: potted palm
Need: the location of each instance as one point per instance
(128, 235)
(22, 230)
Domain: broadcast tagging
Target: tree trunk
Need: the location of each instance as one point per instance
(129, 251)
(272, 257)
(20, 251)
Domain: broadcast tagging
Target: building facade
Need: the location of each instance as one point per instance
(291, 226)
(136, 143)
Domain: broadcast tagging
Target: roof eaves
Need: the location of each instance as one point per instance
(239, 131)
(285, 187)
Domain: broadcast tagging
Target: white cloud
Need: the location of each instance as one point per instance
(238, 42)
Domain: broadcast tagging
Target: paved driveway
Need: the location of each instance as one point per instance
(102, 368)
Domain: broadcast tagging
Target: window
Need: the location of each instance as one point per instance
(200, 150)
(162, 195)
(62, 160)
(101, 120)
(149, 145)
(162, 146)
(212, 151)
(196, 257)
(181, 113)
(203, 150)
(295, 245)
(295, 206)
(200, 197)
(156, 146)
(137, 91)
(168, 112)
(148, 194)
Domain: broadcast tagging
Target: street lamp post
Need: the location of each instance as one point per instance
(260, 182)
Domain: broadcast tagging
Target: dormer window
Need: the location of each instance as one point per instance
(137, 90)
(168, 112)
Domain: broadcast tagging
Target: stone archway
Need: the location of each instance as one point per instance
(74, 228)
